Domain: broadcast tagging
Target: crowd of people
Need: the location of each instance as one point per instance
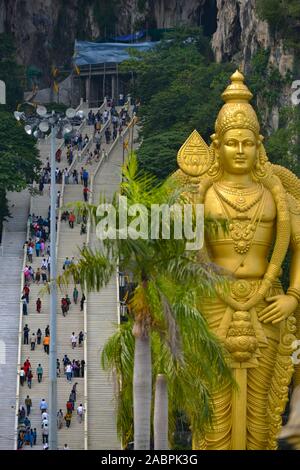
(37, 251)
(27, 435)
(38, 254)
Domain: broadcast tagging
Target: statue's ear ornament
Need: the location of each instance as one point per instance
(194, 157)
(262, 167)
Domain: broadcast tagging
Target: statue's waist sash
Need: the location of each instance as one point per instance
(243, 334)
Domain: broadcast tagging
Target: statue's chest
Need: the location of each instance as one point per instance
(255, 207)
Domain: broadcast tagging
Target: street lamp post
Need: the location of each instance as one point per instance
(39, 125)
(53, 302)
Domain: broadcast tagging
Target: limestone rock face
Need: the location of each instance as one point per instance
(240, 33)
(167, 13)
(45, 30)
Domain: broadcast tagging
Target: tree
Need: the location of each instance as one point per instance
(19, 163)
(161, 413)
(189, 379)
(283, 17)
(166, 292)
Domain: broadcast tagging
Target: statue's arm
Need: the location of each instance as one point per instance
(295, 276)
(295, 248)
(284, 305)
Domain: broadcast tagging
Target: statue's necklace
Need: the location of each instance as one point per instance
(242, 232)
(240, 203)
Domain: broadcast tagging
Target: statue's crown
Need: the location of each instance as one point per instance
(237, 112)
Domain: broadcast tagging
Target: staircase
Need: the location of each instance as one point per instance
(102, 318)
(98, 322)
(11, 260)
(65, 326)
(70, 241)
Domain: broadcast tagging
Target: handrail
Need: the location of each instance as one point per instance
(2, 241)
(90, 142)
(20, 332)
(112, 147)
(85, 329)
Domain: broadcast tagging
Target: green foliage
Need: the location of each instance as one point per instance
(283, 17)
(273, 11)
(283, 145)
(180, 88)
(10, 72)
(190, 380)
(264, 80)
(19, 163)
(157, 154)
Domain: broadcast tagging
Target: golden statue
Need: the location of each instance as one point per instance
(255, 320)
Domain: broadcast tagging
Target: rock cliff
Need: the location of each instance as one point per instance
(45, 30)
(240, 33)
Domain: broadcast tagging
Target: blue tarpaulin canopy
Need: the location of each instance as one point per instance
(89, 53)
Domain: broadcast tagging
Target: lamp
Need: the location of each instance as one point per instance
(38, 125)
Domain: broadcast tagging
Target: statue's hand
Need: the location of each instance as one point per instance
(282, 306)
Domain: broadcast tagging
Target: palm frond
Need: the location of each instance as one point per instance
(93, 271)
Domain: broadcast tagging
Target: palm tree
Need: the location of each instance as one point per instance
(160, 268)
(189, 380)
(161, 413)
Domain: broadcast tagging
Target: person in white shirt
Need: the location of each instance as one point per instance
(73, 340)
(44, 264)
(69, 372)
(22, 376)
(80, 413)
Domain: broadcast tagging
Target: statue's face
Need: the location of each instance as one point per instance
(238, 151)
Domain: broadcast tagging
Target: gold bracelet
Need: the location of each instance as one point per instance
(292, 291)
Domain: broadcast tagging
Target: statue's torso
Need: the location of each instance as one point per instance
(252, 263)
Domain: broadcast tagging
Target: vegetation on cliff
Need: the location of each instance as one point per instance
(179, 85)
(283, 17)
(10, 72)
(19, 163)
